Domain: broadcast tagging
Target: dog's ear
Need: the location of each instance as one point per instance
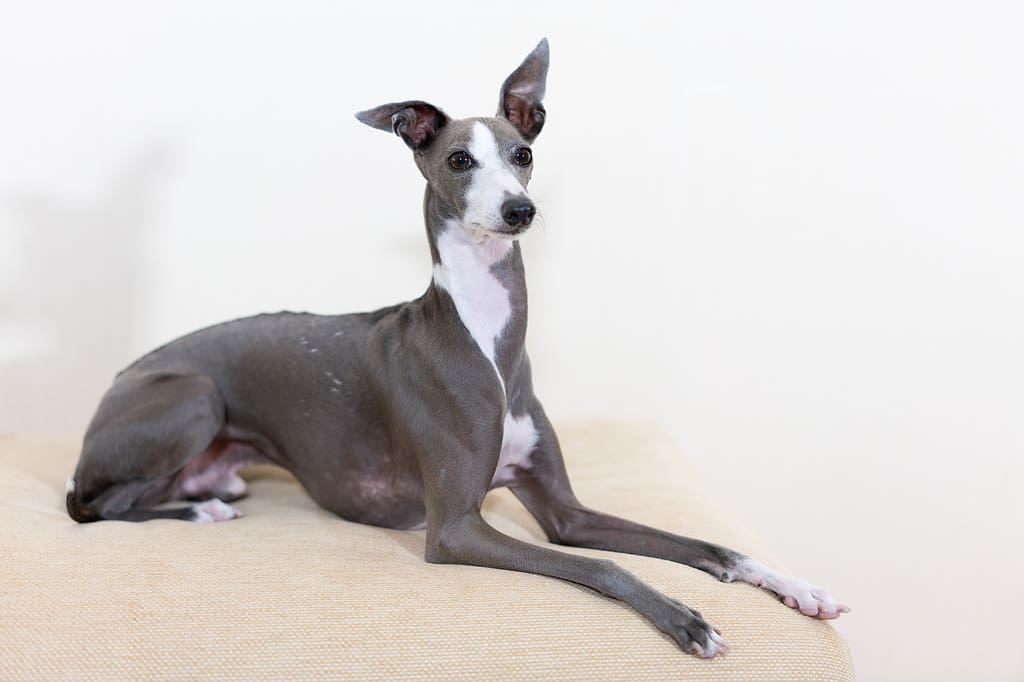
(415, 122)
(522, 92)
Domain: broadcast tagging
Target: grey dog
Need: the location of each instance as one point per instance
(403, 417)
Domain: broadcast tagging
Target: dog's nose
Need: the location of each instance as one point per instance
(518, 212)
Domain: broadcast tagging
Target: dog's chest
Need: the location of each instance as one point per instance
(467, 273)
(518, 440)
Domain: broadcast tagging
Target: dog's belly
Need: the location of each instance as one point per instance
(380, 495)
(346, 466)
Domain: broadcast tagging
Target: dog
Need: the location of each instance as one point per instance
(406, 416)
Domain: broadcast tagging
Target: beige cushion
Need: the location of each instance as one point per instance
(290, 591)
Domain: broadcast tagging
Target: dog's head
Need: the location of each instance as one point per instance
(478, 168)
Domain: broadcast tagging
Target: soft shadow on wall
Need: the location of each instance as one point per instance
(69, 308)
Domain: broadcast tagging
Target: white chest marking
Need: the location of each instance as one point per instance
(517, 442)
(480, 299)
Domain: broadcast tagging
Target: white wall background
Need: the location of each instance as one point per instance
(790, 231)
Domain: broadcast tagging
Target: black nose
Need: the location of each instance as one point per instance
(518, 212)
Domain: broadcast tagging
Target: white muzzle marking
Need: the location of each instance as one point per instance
(492, 179)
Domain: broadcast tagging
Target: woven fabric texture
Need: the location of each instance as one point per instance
(292, 592)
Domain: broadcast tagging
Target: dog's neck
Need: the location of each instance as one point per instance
(484, 277)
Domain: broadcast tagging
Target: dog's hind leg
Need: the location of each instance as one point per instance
(148, 427)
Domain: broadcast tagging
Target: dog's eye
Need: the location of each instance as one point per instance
(523, 157)
(460, 161)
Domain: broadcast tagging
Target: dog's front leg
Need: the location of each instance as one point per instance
(455, 482)
(545, 490)
(468, 539)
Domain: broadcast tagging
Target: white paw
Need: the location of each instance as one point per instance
(806, 598)
(714, 646)
(212, 511)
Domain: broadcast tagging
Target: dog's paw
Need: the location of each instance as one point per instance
(810, 600)
(691, 632)
(806, 598)
(213, 510)
(713, 645)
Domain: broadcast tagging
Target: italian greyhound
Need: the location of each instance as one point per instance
(404, 417)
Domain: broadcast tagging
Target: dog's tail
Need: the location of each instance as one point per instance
(82, 513)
